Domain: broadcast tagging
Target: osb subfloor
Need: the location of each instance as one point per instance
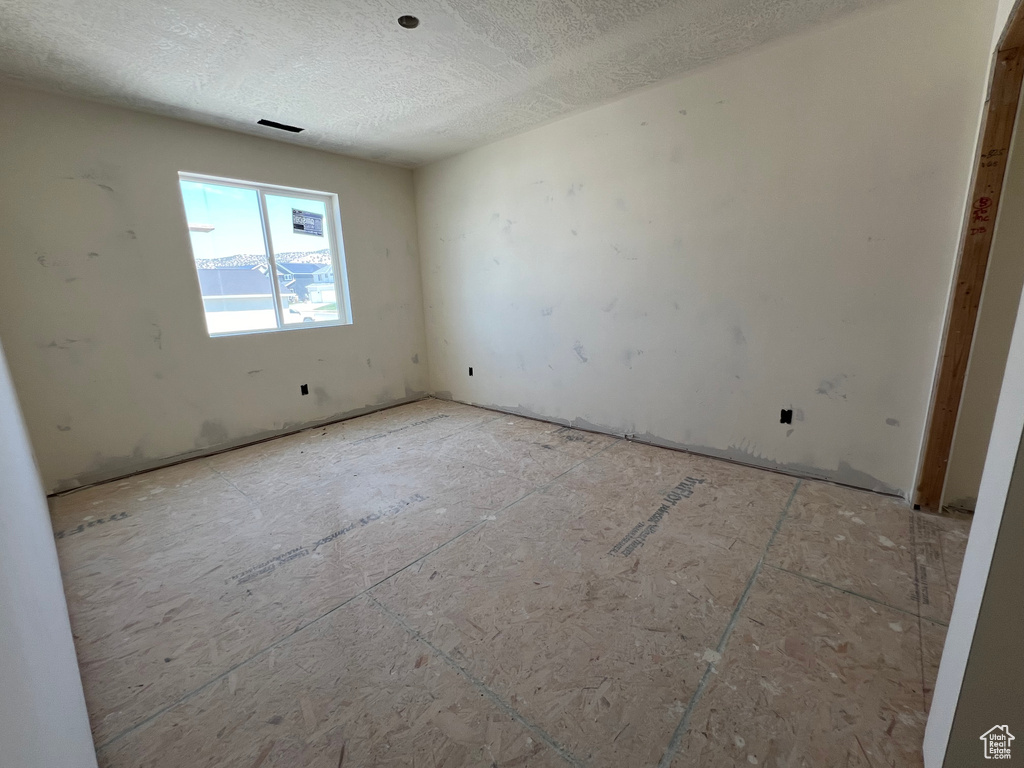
(439, 585)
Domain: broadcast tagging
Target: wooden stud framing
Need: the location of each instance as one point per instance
(997, 133)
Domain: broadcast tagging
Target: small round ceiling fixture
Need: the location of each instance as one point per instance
(408, 22)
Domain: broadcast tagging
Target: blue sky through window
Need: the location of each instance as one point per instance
(234, 215)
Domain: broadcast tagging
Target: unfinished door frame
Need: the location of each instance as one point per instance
(972, 262)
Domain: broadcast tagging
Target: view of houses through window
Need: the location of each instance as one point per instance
(267, 258)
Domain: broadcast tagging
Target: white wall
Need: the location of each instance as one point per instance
(777, 230)
(100, 309)
(1004, 280)
(43, 720)
(995, 484)
(1003, 12)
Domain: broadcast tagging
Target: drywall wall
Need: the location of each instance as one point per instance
(998, 513)
(1004, 280)
(775, 231)
(43, 720)
(992, 692)
(1003, 12)
(99, 303)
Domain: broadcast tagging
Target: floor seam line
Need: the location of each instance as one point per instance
(917, 591)
(467, 428)
(272, 646)
(876, 601)
(225, 478)
(366, 592)
(684, 723)
(507, 708)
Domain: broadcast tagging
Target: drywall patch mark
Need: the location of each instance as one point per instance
(64, 346)
(62, 428)
(92, 255)
(546, 311)
(368, 363)
(844, 473)
(254, 372)
(71, 279)
(893, 422)
(573, 189)
(682, 111)
(737, 335)
(103, 469)
(578, 349)
(211, 433)
(798, 414)
(416, 359)
(322, 398)
(611, 305)
(830, 388)
(158, 336)
(789, 432)
(130, 234)
(620, 203)
(630, 354)
(574, 231)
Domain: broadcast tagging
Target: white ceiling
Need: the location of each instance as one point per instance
(474, 71)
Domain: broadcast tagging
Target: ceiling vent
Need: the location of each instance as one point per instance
(280, 126)
(409, 22)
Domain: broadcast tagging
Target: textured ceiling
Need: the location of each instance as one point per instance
(474, 71)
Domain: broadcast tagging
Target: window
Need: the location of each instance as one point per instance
(242, 233)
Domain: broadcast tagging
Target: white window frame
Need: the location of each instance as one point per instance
(333, 212)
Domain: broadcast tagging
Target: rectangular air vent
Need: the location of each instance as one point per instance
(280, 126)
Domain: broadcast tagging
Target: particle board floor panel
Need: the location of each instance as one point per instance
(812, 677)
(437, 584)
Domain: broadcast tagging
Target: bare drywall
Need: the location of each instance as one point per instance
(1004, 280)
(43, 719)
(993, 553)
(1003, 12)
(100, 310)
(776, 231)
(992, 692)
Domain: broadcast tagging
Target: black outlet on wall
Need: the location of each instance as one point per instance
(787, 416)
(471, 370)
(304, 389)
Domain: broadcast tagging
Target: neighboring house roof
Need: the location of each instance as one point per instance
(297, 268)
(228, 281)
(325, 270)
